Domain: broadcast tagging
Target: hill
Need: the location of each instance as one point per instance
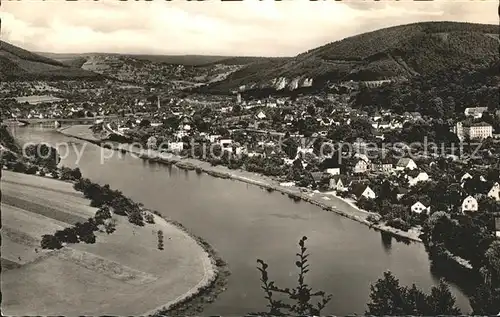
(186, 60)
(19, 64)
(396, 52)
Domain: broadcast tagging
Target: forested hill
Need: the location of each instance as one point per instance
(396, 52)
(440, 95)
(19, 64)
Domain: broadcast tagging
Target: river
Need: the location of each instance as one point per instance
(244, 223)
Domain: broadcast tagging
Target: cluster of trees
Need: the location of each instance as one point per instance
(104, 195)
(440, 95)
(70, 174)
(43, 155)
(81, 232)
(387, 296)
(436, 131)
(471, 238)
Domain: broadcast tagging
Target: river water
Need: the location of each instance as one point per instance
(244, 223)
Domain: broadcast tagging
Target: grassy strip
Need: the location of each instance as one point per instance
(42, 210)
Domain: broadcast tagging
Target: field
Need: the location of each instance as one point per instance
(37, 99)
(121, 274)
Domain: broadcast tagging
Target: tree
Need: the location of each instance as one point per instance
(236, 109)
(486, 300)
(290, 147)
(144, 123)
(44, 155)
(102, 214)
(110, 226)
(136, 218)
(50, 242)
(160, 240)
(388, 297)
(301, 296)
(441, 301)
(67, 235)
(149, 218)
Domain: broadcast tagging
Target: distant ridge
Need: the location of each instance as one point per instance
(19, 64)
(396, 52)
(186, 60)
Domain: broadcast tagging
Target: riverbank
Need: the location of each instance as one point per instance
(326, 201)
(193, 266)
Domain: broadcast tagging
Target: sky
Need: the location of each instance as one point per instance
(213, 27)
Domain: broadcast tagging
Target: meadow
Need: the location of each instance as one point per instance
(123, 273)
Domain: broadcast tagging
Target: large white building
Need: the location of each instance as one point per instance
(476, 131)
(476, 112)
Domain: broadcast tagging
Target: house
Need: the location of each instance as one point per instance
(360, 190)
(333, 171)
(401, 192)
(362, 157)
(476, 112)
(475, 131)
(470, 204)
(337, 184)
(421, 177)
(495, 192)
(360, 167)
(382, 168)
(225, 144)
(406, 163)
(418, 208)
(261, 115)
(213, 138)
(317, 177)
(465, 176)
(175, 146)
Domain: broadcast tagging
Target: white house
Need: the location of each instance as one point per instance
(421, 177)
(175, 146)
(470, 204)
(360, 167)
(225, 143)
(364, 191)
(382, 168)
(406, 163)
(476, 112)
(362, 157)
(418, 208)
(333, 171)
(303, 151)
(495, 192)
(337, 184)
(214, 137)
(465, 176)
(261, 115)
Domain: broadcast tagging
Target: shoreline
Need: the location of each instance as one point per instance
(322, 200)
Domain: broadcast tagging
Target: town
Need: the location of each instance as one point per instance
(180, 184)
(318, 143)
